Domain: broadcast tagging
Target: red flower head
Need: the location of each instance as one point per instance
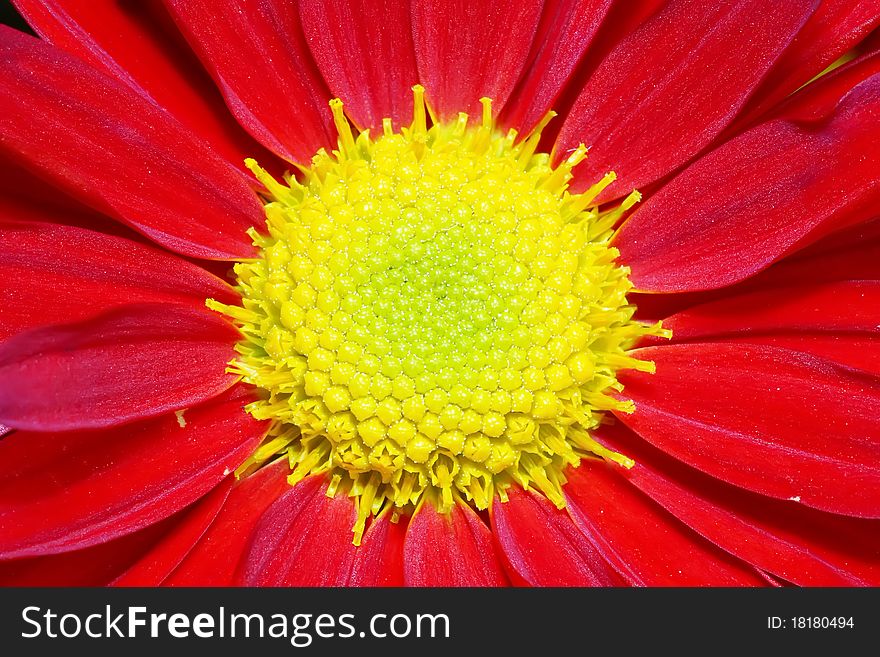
(321, 293)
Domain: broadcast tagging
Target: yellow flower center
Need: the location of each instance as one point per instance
(433, 315)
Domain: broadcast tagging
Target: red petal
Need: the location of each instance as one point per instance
(565, 32)
(542, 547)
(850, 240)
(648, 546)
(379, 559)
(154, 566)
(92, 566)
(61, 492)
(647, 109)
(50, 273)
(138, 44)
(303, 539)
(837, 321)
(757, 198)
(213, 560)
(803, 546)
(777, 422)
(856, 257)
(371, 64)
(23, 196)
(622, 19)
(127, 364)
(858, 351)
(452, 549)
(467, 50)
(108, 146)
(258, 56)
(847, 255)
(835, 28)
(841, 307)
(819, 99)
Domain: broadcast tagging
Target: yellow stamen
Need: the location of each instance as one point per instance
(434, 315)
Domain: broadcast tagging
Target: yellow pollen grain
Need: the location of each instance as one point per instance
(434, 315)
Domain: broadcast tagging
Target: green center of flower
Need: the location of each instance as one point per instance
(434, 315)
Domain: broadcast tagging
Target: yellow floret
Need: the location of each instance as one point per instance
(433, 313)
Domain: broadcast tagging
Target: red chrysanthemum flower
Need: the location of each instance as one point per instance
(434, 337)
